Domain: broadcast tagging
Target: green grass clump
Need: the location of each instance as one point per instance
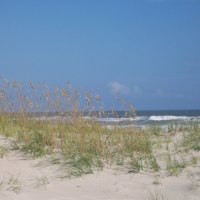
(36, 145)
(3, 151)
(174, 166)
(192, 138)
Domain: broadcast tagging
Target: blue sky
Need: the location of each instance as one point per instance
(147, 50)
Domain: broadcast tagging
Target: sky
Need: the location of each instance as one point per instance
(148, 51)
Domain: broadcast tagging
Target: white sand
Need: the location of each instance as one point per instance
(25, 179)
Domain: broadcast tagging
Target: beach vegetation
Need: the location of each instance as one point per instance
(192, 137)
(156, 196)
(156, 181)
(41, 182)
(2, 184)
(3, 151)
(14, 184)
(61, 123)
(174, 165)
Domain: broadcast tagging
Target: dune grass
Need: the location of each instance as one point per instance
(192, 138)
(51, 122)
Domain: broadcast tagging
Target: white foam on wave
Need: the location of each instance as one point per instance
(169, 117)
(144, 119)
(115, 120)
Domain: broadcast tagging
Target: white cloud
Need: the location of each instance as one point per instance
(118, 88)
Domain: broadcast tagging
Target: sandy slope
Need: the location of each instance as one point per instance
(23, 179)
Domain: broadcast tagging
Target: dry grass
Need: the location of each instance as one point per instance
(28, 115)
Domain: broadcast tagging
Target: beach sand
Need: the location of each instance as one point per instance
(22, 178)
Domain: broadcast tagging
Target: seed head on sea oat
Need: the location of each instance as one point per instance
(98, 98)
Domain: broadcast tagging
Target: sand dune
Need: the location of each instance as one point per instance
(22, 178)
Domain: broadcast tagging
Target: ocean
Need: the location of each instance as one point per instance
(141, 119)
(145, 118)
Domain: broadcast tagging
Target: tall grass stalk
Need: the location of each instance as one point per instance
(46, 121)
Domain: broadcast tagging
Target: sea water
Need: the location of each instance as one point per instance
(145, 118)
(141, 119)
